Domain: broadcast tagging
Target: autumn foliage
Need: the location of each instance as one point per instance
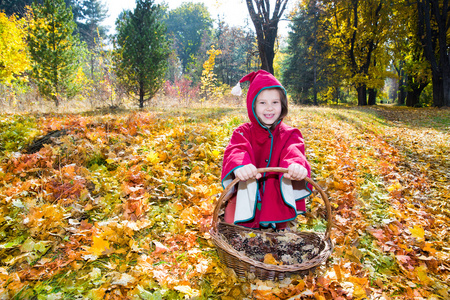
(119, 207)
(14, 59)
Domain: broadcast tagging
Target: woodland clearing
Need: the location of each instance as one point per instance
(120, 205)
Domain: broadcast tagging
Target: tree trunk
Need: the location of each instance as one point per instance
(372, 97)
(362, 95)
(266, 28)
(432, 30)
(438, 90)
(446, 83)
(367, 48)
(315, 69)
(141, 95)
(413, 98)
(414, 91)
(443, 21)
(401, 95)
(265, 55)
(56, 100)
(92, 60)
(337, 94)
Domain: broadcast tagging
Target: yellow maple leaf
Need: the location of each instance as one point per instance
(417, 232)
(422, 274)
(359, 292)
(394, 187)
(153, 157)
(99, 245)
(215, 153)
(97, 294)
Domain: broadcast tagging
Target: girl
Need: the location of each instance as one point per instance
(273, 199)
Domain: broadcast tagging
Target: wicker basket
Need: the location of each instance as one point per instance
(243, 264)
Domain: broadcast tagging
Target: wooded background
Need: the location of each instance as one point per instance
(336, 52)
(117, 203)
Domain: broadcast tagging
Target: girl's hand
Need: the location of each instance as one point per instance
(296, 172)
(247, 172)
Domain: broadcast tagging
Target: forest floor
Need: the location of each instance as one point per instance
(119, 205)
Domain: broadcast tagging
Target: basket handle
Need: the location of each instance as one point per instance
(227, 189)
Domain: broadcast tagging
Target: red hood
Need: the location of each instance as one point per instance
(259, 81)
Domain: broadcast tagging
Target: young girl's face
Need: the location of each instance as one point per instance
(268, 106)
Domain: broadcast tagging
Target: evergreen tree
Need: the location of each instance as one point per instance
(298, 76)
(91, 13)
(87, 14)
(54, 50)
(308, 71)
(141, 50)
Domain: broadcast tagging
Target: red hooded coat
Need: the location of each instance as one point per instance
(272, 200)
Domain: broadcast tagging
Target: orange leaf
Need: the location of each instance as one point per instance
(269, 259)
(428, 248)
(403, 258)
(159, 248)
(378, 233)
(337, 270)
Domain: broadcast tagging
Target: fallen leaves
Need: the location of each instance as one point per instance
(418, 233)
(269, 259)
(99, 246)
(120, 207)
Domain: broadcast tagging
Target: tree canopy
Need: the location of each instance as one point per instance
(54, 50)
(17, 7)
(359, 44)
(89, 18)
(14, 56)
(141, 50)
(188, 25)
(308, 70)
(239, 53)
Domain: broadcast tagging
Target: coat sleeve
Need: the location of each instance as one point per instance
(238, 153)
(294, 151)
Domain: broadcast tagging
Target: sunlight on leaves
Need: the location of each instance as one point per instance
(121, 206)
